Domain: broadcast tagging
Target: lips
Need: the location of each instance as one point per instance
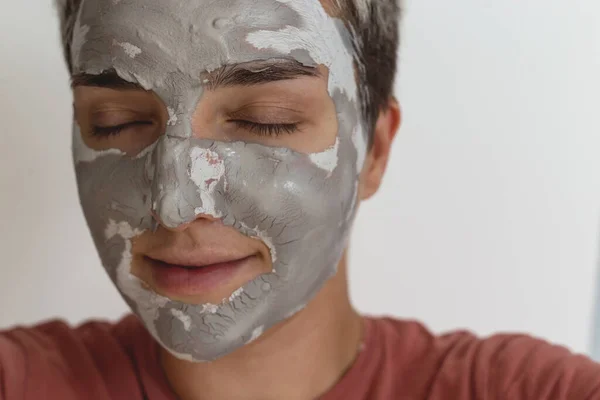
(190, 276)
(194, 259)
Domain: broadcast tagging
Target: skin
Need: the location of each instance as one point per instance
(301, 101)
(231, 165)
(323, 339)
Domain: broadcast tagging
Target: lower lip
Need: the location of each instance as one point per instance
(173, 279)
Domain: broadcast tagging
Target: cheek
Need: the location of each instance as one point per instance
(286, 190)
(114, 188)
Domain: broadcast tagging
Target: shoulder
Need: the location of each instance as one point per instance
(58, 358)
(525, 367)
(500, 366)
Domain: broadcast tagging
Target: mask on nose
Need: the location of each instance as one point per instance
(300, 205)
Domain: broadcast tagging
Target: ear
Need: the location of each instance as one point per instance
(376, 161)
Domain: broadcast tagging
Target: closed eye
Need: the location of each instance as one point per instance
(265, 129)
(113, 130)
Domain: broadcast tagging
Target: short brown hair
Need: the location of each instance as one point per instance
(373, 24)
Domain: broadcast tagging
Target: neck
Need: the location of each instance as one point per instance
(298, 359)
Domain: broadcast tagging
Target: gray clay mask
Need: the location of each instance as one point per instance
(300, 205)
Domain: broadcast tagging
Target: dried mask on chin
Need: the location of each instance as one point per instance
(299, 204)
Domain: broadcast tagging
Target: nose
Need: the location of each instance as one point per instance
(186, 173)
(171, 188)
(184, 226)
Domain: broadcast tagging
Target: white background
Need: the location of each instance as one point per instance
(489, 215)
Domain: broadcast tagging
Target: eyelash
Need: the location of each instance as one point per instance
(114, 130)
(253, 127)
(265, 129)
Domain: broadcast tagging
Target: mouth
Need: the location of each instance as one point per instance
(176, 280)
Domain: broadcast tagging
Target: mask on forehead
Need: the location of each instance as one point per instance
(300, 205)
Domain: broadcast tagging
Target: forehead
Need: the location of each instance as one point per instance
(154, 40)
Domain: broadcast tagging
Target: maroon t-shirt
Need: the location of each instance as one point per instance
(400, 360)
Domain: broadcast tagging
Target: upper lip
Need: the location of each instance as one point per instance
(194, 259)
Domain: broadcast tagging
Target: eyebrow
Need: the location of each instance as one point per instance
(244, 74)
(258, 72)
(107, 79)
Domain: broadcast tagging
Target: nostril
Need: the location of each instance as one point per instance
(183, 226)
(169, 225)
(207, 217)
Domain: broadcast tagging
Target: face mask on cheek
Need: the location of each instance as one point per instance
(300, 205)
